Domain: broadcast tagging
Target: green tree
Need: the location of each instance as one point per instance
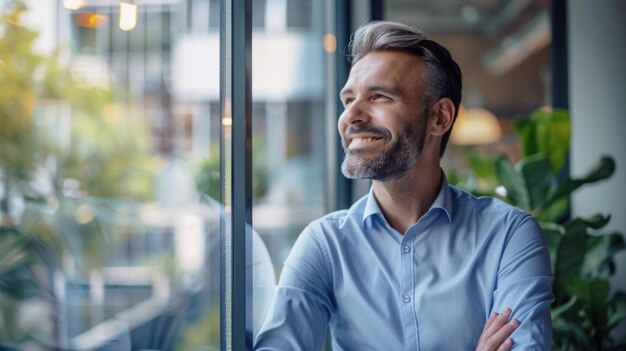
(19, 67)
(109, 156)
(110, 145)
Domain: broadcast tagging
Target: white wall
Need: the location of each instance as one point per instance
(597, 73)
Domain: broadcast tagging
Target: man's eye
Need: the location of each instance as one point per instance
(379, 97)
(347, 101)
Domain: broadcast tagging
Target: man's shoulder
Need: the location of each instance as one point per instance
(334, 219)
(492, 217)
(335, 222)
(485, 205)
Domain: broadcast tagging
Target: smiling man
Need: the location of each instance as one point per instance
(416, 264)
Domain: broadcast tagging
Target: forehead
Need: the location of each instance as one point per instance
(395, 68)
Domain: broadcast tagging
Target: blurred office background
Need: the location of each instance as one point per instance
(111, 144)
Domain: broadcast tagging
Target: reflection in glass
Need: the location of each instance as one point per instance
(289, 121)
(117, 274)
(110, 179)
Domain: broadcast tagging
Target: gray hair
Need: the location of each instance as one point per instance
(443, 76)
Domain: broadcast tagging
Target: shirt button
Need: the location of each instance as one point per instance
(406, 248)
(406, 298)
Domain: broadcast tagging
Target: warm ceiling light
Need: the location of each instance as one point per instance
(73, 4)
(330, 43)
(475, 126)
(128, 15)
(91, 20)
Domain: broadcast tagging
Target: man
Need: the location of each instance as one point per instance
(416, 264)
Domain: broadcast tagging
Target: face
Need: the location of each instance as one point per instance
(383, 125)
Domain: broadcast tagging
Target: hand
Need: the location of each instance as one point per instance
(495, 335)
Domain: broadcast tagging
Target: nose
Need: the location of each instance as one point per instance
(354, 114)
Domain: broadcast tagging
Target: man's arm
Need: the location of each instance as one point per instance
(525, 285)
(302, 304)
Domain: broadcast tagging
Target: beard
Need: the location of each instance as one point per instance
(393, 161)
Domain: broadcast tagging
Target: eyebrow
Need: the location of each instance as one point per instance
(374, 88)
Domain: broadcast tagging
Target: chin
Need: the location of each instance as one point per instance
(358, 170)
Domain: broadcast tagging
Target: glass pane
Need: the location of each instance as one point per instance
(292, 114)
(110, 176)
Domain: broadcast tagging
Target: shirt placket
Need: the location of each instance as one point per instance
(407, 297)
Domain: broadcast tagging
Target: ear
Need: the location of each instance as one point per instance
(441, 116)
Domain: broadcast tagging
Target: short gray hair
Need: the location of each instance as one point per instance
(443, 75)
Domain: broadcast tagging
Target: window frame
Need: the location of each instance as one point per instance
(236, 164)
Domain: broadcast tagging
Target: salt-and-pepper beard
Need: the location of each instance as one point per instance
(393, 161)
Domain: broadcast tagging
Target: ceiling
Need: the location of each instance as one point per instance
(485, 16)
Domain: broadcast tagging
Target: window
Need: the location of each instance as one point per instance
(290, 123)
(112, 223)
(117, 182)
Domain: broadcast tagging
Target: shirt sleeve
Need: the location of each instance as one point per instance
(302, 304)
(263, 281)
(525, 285)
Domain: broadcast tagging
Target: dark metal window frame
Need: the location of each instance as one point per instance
(236, 106)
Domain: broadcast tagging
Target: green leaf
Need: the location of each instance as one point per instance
(555, 211)
(514, 183)
(553, 234)
(617, 309)
(603, 170)
(569, 256)
(557, 139)
(565, 332)
(537, 176)
(557, 311)
(594, 293)
(616, 318)
(15, 263)
(598, 302)
(546, 131)
(596, 221)
(600, 252)
(524, 127)
(577, 287)
(13, 253)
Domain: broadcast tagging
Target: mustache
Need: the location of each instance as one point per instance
(369, 129)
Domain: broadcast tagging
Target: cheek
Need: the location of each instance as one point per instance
(408, 127)
(397, 127)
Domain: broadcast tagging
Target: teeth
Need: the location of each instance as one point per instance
(363, 140)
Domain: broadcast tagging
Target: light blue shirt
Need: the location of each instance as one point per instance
(432, 288)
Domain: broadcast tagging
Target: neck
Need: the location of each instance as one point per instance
(403, 200)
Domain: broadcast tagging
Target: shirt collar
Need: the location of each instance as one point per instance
(442, 202)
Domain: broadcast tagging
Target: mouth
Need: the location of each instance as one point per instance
(363, 138)
(362, 142)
